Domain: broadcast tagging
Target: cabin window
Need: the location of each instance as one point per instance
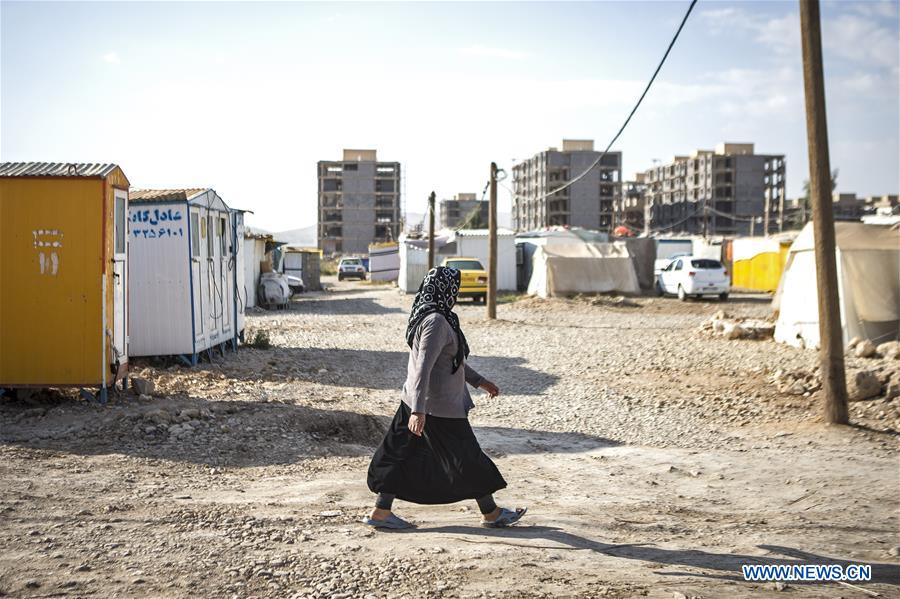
(120, 224)
(222, 236)
(210, 243)
(195, 235)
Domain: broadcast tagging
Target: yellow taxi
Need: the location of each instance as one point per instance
(473, 277)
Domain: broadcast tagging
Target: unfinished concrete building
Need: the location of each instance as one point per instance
(456, 211)
(728, 191)
(359, 202)
(632, 203)
(589, 202)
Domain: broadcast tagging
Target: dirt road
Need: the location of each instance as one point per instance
(654, 460)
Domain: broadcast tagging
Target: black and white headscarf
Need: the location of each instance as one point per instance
(437, 293)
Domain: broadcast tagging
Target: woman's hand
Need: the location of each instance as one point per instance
(416, 423)
(492, 389)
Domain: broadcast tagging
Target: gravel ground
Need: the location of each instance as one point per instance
(655, 460)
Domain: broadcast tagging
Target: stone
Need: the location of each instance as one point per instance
(892, 389)
(158, 416)
(864, 349)
(780, 586)
(889, 350)
(733, 330)
(853, 343)
(189, 413)
(894, 551)
(797, 388)
(142, 386)
(862, 384)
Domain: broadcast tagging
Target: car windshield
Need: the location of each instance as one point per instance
(465, 264)
(706, 264)
(350, 262)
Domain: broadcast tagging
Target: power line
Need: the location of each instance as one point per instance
(633, 110)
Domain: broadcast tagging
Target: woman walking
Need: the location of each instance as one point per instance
(430, 454)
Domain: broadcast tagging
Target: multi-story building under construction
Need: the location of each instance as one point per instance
(729, 191)
(359, 202)
(457, 211)
(588, 202)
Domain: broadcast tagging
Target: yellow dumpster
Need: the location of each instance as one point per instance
(63, 269)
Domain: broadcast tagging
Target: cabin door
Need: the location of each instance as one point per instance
(120, 252)
(225, 270)
(198, 245)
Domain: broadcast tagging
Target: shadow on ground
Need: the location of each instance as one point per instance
(333, 304)
(729, 563)
(231, 433)
(369, 369)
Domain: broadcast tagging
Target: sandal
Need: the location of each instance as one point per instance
(506, 518)
(392, 522)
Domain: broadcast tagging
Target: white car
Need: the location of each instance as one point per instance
(694, 276)
(351, 268)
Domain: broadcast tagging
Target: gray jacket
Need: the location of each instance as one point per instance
(431, 388)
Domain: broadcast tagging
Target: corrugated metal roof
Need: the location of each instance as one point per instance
(163, 195)
(55, 169)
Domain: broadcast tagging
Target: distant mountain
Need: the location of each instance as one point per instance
(305, 236)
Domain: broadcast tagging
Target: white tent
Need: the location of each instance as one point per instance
(868, 268)
(562, 269)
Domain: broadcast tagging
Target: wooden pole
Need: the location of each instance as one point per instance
(492, 247)
(431, 231)
(831, 346)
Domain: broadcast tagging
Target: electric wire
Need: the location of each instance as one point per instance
(633, 110)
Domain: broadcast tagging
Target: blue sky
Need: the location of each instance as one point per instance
(246, 98)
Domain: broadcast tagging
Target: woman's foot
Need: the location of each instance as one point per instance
(502, 517)
(386, 519)
(379, 514)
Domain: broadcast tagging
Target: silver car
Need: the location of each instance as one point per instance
(351, 268)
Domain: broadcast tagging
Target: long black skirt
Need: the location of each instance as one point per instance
(444, 465)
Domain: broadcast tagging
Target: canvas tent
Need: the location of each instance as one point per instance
(527, 244)
(563, 269)
(868, 263)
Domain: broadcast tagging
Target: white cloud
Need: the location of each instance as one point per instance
(112, 58)
(885, 9)
(492, 52)
(856, 36)
(861, 39)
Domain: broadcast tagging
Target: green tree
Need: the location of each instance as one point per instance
(473, 220)
(804, 205)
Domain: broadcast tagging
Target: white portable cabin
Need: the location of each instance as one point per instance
(474, 243)
(384, 262)
(254, 250)
(183, 273)
(239, 296)
(414, 259)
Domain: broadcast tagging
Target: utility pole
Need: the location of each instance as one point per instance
(492, 247)
(831, 346)
(431, 231)
(766, 209)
